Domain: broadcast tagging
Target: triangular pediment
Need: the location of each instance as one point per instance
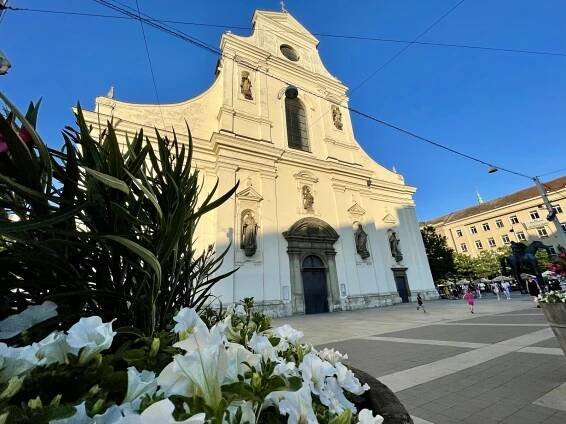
(356, 209)
(389, 219)
(286, 22)
(249, 193)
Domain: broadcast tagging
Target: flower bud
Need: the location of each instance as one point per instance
(256, 380)
(97, 407)
(94, 390)
(35, 403)
(14, 386)
(56, 400)
(155, 344)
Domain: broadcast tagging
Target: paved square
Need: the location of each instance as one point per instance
(501, 365)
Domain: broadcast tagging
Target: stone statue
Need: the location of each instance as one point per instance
(361, 238)
(394, 246)
(249, 234)
(337, 117)
(308, 199)
(246, 86)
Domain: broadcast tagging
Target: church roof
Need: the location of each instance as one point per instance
(287, 22)
(510, 199)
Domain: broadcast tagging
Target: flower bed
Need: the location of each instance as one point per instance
(220, 367)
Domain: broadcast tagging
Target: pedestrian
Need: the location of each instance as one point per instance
(496, 290)
(420, 303)
(469, 296)
(478, 290)
(507, 289)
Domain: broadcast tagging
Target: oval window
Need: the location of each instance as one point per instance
(289, 52)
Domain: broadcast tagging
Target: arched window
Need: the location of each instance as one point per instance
(312, 262)
(297, 131)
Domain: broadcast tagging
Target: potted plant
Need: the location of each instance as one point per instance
(104, 303)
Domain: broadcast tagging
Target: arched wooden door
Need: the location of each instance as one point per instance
(314, 285)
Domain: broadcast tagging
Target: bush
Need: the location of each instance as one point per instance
(101, 228)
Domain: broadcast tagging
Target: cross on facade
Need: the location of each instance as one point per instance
(282, 3)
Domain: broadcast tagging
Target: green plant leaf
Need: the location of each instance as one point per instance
(141, 251)
(108, 180)
(147, 191)
(46, 221)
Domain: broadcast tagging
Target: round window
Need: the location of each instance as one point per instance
(289, 52)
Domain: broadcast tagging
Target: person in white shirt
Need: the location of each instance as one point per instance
(496, 290)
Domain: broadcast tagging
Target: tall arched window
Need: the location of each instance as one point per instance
(297, 131)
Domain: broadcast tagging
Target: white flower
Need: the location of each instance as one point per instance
(248, 414)
(236, 355)
(53, 348)
(297, 405)
(314, 372)
(348, 381)
(161, 413)
(90, 336)
(172, 381)
(333, 397)
(198, 335)
(332, 356)
(366, 417)
(288, 333)
(15, 324)
(240, 311)
(79, 417)
(232, 334)
(139, 384)
(16, 360)
(188, 321)
(261, 344)
(205, 368)
(286, 369)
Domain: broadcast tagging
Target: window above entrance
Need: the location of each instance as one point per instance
(297, 131)
(289, 52)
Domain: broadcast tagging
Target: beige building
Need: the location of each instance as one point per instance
(520, 217)
(316, 224)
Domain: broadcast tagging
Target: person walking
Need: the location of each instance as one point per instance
(496, 290)
(507, 289)
(420, 303)
(469, 296)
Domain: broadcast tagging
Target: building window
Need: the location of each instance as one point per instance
(534, 214)
(557, 208)
(485, 226)
(478, 244)
(513, 219)
(520, 236)
(297, 131)
(473, 230)
(459, 232)
(499, 223)
(542, 232)
(505, 239)
(464, 247)
(491, 242)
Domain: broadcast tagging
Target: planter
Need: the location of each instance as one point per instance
(380, 399)
(555, 314)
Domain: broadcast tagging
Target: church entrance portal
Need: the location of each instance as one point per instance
(314, 282)
(402, 285)
(314, 285)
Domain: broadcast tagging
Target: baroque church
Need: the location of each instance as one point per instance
(316, 225)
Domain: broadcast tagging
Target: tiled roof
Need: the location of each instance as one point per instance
(518, 196)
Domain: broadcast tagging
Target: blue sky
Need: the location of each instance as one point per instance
(506, 108)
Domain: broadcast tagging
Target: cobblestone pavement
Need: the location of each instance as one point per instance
(500, 365)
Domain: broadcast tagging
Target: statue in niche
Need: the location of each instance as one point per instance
(246, 86)
(361, 238)
(249, 234)
(394, 246)
(308, 198)
(337, 117)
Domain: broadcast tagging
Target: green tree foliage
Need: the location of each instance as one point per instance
(440, 256)
(102, 229)
(463, 266)
(486, 265)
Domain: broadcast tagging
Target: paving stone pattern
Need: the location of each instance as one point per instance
(507, 319)
(463, 333)
(380, 358)
(548, 343)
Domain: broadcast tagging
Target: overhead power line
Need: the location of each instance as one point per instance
(318, 34)
(201, 44)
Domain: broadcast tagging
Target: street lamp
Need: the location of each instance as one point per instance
(4, 63)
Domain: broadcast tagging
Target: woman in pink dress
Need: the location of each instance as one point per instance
(469, 296)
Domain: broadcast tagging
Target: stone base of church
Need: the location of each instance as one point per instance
(426, 295)
(275, 308)
(366, 301)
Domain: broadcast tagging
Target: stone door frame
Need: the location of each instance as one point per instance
(312, 236)
(402, 272)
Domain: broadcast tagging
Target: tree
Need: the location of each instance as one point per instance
(440, 256)
(463, 266)
(486, 264)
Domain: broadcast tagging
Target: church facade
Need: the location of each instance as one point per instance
(316, 225)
